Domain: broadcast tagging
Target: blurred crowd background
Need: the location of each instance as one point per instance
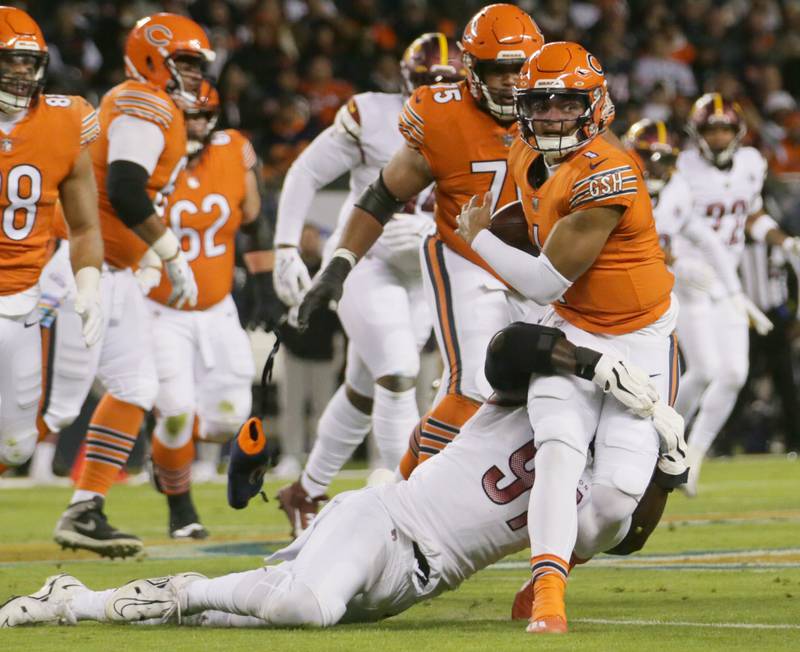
(285, 66)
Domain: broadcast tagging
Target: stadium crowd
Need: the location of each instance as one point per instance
(284, 68)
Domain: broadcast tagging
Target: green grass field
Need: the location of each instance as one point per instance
(722, 572)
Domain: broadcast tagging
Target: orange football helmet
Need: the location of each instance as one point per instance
(23, 60)
(206, 106)
(499, 37)
(562, 83)
(431, 59)
(658, 150)
(711, 110)
(154, 46)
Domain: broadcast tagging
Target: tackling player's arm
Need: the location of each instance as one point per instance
(403, 177)
(573, 245)
(761, 227)
(78, 195)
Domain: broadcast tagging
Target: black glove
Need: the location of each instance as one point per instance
(267, 308)
(326, 289)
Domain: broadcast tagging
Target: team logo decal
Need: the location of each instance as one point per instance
(158, 35)
(594, 64)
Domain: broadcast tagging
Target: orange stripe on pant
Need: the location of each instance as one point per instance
(674, 369)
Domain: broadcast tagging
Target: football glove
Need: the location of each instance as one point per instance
(628, 384)
(87, 304)
(291, 279)
(148, 276)
(326, 290)
(184, 287)
(671, 470)
(267, 309)
(404, 232)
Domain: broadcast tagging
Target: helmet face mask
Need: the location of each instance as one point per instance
(187, 69)
(714, 117)
(554, 119)
(206, 108)
(496, 92)
(657, 150)
(21, 78)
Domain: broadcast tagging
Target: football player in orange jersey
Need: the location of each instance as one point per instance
(604, 274)
(458, 136)
(44, 158)
(137, 158)
(203, 357)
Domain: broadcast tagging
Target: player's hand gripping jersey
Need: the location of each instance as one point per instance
(123, 248)
(205, 212)
(35, 157)
(628, 286)
(466, 150)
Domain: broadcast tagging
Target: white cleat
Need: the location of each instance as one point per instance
(156, 599)
(59, 591)
(695, 462)
(27, 610)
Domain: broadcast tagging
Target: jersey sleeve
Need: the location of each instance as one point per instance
(348, 121)
(411, 122)
(613, 181)
(90, 126)
(246, 152)
(140, 103)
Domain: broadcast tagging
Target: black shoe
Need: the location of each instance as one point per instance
(84, 526)
(184, 522)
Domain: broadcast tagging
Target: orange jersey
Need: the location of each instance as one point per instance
(467, 150)
(123, 248)
(35, 157)
(628, 286)
(205, 212)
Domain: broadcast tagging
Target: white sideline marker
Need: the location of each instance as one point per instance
(668, 623)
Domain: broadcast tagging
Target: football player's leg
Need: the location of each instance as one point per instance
(698, 339)
(173, 444)
(20, 388)
(470, 306)
(344, 424)
(731, 341)
(376, 315)
(563, 412)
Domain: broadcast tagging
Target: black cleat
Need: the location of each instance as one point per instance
(84, 526)
(184, 522)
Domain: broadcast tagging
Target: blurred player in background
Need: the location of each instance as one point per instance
(458, 136)
(44, 158)
(383, 309)
(726, 181)
(203, 357)
(137, 159)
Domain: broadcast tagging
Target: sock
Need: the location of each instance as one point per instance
(172, 454)
(394, 415)
(112, 433)
(443, 423)
(342, 427)
(552, 512)
(410, 458)
(90, 605)
(549, 585)
(42, 460)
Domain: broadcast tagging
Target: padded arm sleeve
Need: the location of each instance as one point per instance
(328, 157)
(126, 186)
(135, 140)
(715, 253)
(533, 277)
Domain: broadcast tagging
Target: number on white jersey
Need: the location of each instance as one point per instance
(194, 243)
(501, 492)
(19, 200)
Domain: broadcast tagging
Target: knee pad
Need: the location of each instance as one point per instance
(298, 606)
(174, 431)
(222, 421)
(611, 505)
(17, 448)
(518, 351)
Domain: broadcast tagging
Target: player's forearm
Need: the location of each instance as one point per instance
(150, 229)
(78, 196)
(86, 248)
(360, 232)
(715, 253)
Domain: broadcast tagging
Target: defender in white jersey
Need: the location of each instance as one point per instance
(725, 180)
(383, 309)
(371, 553)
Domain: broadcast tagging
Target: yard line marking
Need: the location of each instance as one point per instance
(681, 623)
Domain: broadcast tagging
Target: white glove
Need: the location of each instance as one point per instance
(757, 319)
(791, 246)
(628, 384)
(149, 273)
(404, 232)
(694, 273)
(87, 304)
(672, 445)
(290, 277)
(184, 287)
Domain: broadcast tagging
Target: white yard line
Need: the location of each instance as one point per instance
(668, 623)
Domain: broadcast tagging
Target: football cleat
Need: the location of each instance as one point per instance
(27, 610)
(523, 602)
(547, 625)
(190, 531)
(300, 508)
(84, 526)
(155, 599)
(184, 522)
(248, 463)
(59, 590)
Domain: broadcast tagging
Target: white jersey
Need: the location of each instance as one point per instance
(673, 209)
(362, 139)
(725, 198)
(467, 507)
